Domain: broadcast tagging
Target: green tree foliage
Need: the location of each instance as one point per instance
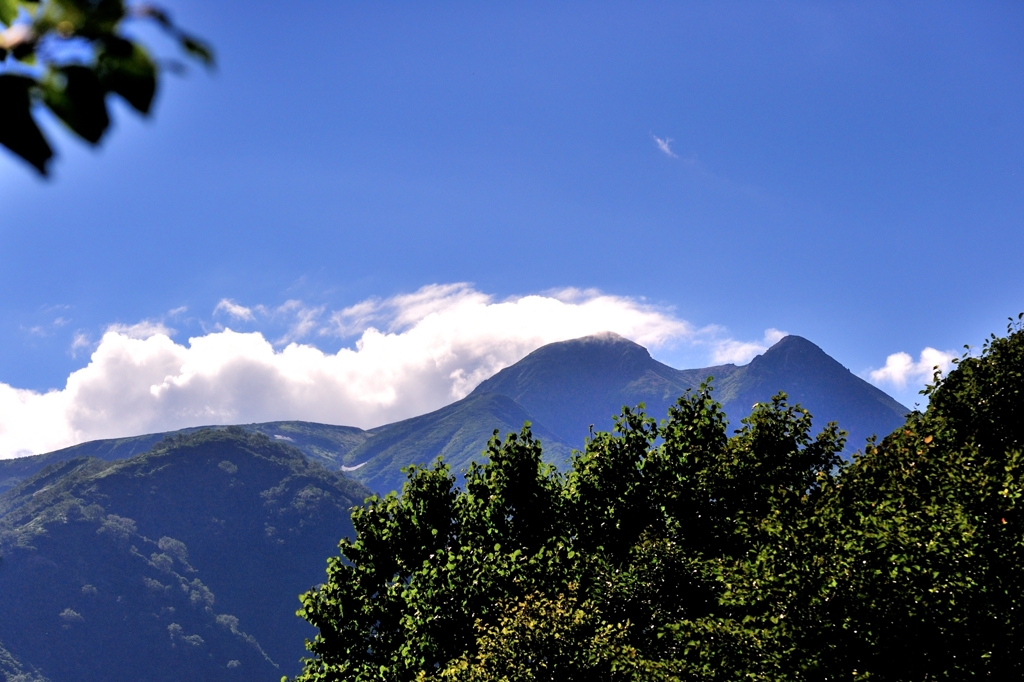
(69, 55)
(674, 551)
(929, 564)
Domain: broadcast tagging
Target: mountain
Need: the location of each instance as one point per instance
(573, 385)
(184, 562)
(570, 385)
(562, 389)
(180, 556)
(810, 377)
(323, 443)
(458, 432)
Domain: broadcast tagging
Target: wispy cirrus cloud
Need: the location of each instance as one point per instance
(54, 318)
(79, 342)
(141, 330)
(665, 145)
(412, 353)
(234, 310)
(299, 319)
(304, 320)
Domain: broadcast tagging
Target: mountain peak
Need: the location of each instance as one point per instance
(569, 385)
(811, 377)
(595, 343)
(597, 357)
(793, 343)
(792, 352)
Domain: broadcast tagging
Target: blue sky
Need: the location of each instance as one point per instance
(849, 172)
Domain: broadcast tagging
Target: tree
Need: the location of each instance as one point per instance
(673, 551)
(909, 564)
(929, 572)
(568, 576)
(69, 56)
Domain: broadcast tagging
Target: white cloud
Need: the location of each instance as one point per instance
(664, 144)
(239, 312)
(739, 352)
(141, 330)
(900, 368)
(49, 328)
(79, 342)
(306, 320)
(414, 353)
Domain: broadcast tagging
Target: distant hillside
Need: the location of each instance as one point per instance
(181, 563)
(562, 388)
(323, 443)
(458, 432)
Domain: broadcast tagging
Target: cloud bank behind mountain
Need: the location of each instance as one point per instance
(413, 353)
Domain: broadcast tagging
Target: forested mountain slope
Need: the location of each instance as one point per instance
(180, 563)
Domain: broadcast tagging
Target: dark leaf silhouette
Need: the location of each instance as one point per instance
(18, 131)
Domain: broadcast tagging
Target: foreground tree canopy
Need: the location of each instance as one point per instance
(675, 551)
(68, 55)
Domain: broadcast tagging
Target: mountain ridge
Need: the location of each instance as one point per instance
(562, 389)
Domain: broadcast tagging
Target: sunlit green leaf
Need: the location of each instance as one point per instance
(91, 18)
(8, 11)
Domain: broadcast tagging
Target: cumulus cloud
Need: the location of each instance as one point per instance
(412, 353)
(739, 352)
(900, 368)
(664, 144)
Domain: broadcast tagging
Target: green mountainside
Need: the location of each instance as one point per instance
(458, 432)
(324, 443)
(181, 563)
(13, 471)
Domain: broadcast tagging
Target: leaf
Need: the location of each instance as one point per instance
(197, 49)
(75, 95)
(18, 131)
(8, 11)
(93, 18)
(130, 73)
